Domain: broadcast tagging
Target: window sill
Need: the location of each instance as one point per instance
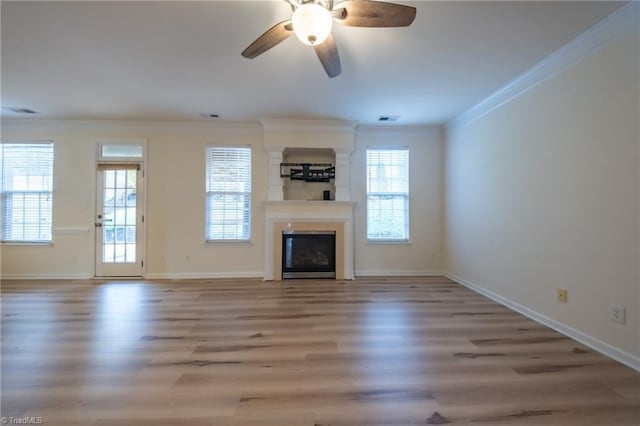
(391, 242)
(228, 243)
(27, 243)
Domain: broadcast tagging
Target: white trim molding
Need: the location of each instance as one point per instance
(630, 360)
(47, 276)
(398, 273)
(201, 275)
(602, 33)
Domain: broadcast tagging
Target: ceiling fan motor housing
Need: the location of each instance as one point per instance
(312, 23)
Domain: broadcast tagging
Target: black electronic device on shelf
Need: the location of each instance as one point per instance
(308, 172)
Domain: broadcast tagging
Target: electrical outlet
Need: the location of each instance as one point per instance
(562, 295)
(617, 313)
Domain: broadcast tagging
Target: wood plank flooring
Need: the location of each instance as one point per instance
(384, 351)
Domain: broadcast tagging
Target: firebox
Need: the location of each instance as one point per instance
(308, 254)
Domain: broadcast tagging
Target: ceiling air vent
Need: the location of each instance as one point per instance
(388, 118)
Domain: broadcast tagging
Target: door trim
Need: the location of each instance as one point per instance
(142, 163)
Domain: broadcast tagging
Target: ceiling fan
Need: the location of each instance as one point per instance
(311, 22)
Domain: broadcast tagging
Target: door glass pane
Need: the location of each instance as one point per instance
(130, 253)
(109, 234)
(130, 215)
(107, 253)
(121, 195)
(107, 216)
(109, 197)
(120, 252)
(109, 179)
(130, 235)
(121, 181)
(131, 197)
(131, 179)
(119, 216)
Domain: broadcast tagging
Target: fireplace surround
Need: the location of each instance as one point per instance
(291, 208)
(284, 216)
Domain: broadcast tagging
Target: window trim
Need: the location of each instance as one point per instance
(230, 241)
(41, 243)
(394, 241)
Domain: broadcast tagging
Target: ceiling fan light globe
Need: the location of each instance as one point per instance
(312, 23)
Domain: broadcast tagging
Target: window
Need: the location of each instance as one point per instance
(228, 193)
(388, 194)
(26, 191)
(120, 151)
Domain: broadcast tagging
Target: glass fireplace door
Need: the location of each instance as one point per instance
(308, 254)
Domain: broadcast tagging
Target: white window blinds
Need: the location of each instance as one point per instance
(388, 194)
(228, 189)
(26, 191)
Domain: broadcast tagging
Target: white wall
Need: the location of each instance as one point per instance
(423, 255)
(176, 238)
(175, 200)
(543, 192)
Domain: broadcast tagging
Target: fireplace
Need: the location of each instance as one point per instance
(290, 207)
(312, 217)
(308, 254)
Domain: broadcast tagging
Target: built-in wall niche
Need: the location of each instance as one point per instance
(299, 189)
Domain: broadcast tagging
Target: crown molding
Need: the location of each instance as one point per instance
(67, 123)
(602, 33)
(385, 128)
(288, 125)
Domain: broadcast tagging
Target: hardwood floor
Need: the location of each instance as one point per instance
(394, 351)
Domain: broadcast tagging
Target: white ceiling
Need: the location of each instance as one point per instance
(176, 60)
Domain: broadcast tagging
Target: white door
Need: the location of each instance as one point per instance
(119, 217)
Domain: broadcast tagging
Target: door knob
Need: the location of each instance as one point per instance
(98, 225)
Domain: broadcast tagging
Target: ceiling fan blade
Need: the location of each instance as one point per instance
(327, 52)
(292, 3)
(274, 35)
(368, 13)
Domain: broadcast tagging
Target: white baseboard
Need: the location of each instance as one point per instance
(202, 275)
(617, 354)
(397, 273)
(152, 276)
(47, 276)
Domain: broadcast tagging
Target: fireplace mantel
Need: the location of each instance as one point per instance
(319, 204)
